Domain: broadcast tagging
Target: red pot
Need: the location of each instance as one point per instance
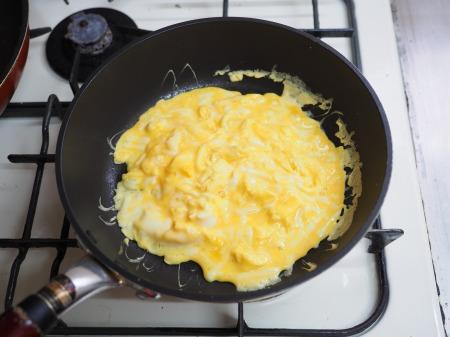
(14, 41)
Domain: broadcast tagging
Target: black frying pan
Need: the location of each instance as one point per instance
(132, 81)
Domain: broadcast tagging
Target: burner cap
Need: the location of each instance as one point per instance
(90, 32)
(95, 32)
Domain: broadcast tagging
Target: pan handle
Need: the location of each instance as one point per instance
(38, 313)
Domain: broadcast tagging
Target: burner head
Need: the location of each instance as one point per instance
(96, 32)
(89, 32)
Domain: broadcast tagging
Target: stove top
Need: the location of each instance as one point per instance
(344, 296)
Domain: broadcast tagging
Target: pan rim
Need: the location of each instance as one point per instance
(91, 248)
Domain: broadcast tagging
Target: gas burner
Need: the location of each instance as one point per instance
(96, 32)
(90, 33)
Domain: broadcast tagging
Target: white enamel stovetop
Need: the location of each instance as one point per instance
(342, 296)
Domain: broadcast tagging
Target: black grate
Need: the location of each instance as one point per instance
(52, 108)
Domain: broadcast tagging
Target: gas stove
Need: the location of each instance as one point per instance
(378, 294)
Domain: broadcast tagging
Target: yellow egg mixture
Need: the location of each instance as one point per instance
(244, 185)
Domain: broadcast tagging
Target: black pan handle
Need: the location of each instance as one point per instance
(38, 313)
(36, 32)
(133, 31)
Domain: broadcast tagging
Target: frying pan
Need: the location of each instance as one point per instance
(14, 41)
(171, 60)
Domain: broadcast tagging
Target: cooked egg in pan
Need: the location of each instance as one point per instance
(244, 185)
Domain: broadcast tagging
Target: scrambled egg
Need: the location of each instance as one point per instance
(244, 185)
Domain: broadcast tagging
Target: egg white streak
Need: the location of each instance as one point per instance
(110, 140)
(328, 114)
(171, 72)
(138, 259)
(110, 222)
(103, 208)
(188, 66)
(174, 78)
(148, 268)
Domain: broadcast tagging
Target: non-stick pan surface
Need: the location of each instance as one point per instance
(132, 81)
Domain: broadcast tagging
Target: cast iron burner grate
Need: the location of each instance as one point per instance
(96, 32)
(53, 108)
